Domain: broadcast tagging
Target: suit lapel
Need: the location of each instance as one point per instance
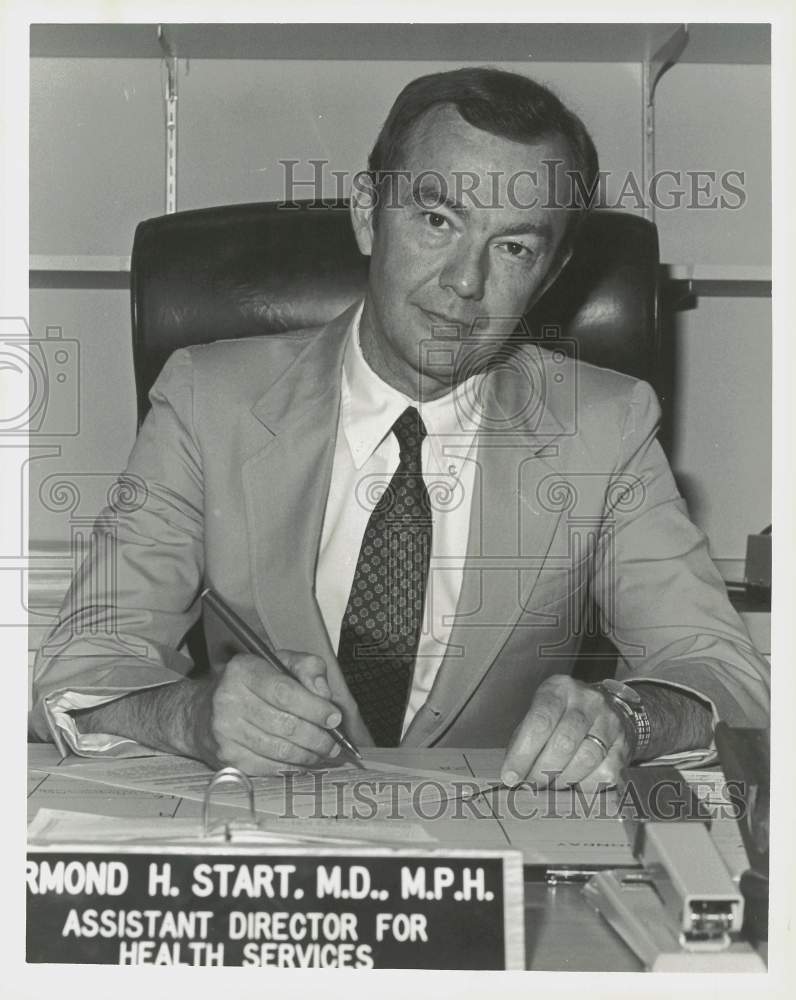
(511, 524)
(286, 483)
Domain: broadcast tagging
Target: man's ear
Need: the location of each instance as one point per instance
(363, 210)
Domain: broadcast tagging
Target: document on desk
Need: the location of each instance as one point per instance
(383, 801)
(373, 790)
(60, 826)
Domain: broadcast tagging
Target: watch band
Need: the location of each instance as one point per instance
(628, 702)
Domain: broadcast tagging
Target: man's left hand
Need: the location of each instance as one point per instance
(550, 745)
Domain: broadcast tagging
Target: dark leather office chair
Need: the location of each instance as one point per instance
(252, 270)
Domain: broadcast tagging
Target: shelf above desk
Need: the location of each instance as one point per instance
(79, 271)
(708, 43)
(733, 280)
(79, 262)
(105, 270)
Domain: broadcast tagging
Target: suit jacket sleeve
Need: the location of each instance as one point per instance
(147, 550)
(662, 599)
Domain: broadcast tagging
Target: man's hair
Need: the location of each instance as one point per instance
(504, 104)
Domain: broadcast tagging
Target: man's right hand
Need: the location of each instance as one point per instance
(248, 715)
(262, 721)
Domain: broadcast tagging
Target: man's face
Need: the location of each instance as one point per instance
(452, 272)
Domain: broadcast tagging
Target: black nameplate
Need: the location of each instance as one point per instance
(286, 909)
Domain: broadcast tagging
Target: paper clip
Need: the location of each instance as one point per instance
(230, 775)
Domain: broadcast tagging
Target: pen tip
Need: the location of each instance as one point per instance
(351, 748)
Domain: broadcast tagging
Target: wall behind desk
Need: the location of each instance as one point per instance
(97, 167)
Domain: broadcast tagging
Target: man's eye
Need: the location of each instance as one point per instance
(516, 249)
(435, 220)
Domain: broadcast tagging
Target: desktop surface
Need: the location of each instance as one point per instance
(562, 930)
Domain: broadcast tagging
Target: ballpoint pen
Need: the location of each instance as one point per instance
(257, 645)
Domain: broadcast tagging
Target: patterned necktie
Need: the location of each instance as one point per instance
(384, 615)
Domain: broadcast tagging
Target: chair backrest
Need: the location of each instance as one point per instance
(255, 269)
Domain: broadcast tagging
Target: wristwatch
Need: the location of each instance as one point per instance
(627, 701)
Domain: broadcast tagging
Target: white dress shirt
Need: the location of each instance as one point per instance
(365, 458)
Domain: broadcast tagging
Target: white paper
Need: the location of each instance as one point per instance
(389, 790)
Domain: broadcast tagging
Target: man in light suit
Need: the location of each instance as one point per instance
(267, 468)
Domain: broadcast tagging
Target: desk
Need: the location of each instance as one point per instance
(562, 931)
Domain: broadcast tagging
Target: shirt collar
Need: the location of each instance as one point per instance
(370, 406)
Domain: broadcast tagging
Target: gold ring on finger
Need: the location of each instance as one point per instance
(600, 743)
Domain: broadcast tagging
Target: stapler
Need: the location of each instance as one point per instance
(680, 910)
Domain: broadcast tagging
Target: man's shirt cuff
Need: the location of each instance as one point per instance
(67, 737)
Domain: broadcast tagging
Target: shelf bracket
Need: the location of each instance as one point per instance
(652, 69)
(170, 97)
